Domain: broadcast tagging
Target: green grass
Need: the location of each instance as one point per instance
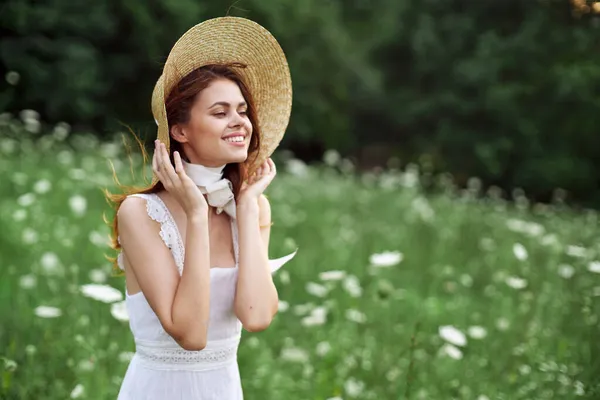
(457, 251)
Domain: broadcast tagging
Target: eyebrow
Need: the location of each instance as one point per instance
(226, 104)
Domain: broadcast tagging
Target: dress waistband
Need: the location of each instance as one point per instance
(168, 355)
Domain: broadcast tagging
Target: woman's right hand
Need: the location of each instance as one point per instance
(176, 181)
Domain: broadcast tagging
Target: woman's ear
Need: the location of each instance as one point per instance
(178, 134)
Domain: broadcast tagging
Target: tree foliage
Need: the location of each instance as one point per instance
(503, 90)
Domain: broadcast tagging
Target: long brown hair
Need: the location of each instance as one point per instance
(178, 106)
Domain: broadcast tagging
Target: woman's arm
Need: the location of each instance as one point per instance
(180, 303)
(256, 299)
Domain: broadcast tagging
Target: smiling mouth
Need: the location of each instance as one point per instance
(235, 139)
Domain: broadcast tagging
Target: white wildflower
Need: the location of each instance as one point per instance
(27, 281)
(50, 263)
(42, 186)
(103, 293)
(316, 289)
(594, 266)
(323, 348)
(97, 276)
(451, 351)
(332, 158)
(284, 277)
(524, 369)
(576, 251)
(294, 354)
(452, 335)
(528, 228)
(579, 388)
(566, 271)
(26, 199)
(29, 114)
(61, 131)
(20, 215)
(423, 209)
(516, 282)
(355, 316)
(65, 157)
(12, 77)
(549, 240)
(29, 236)
(47, 312)
(85, 365)
(487, 244)
(335, 275)
(410, 178)
(354, 387)
(502, 324)
(119, 311)
(253, 342)
(77, 391)
(98, 239)
(477, 332)
(126, 356)
(297, 167)
(32, 125)
(466, 280)
(302, 309)
(351, 285)
(520, 252)
(77, 174)
(283, 306)
(386, 259)
(317, 316)
(78, 204)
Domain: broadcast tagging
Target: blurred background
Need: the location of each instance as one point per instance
(440, 175)
(502, 90)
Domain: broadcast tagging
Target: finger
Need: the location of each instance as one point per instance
(156, 163)
(164, 164)
(169, 170)
(178, 164)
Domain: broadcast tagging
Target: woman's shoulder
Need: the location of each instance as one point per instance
(140, 206)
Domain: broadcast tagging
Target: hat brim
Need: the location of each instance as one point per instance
(228, 40)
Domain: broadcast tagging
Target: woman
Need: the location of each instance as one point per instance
(194, 246)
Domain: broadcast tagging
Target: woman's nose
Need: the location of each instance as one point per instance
(236, 120)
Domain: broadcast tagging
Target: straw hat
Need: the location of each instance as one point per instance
(228, 40)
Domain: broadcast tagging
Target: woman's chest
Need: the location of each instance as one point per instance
(220, 234)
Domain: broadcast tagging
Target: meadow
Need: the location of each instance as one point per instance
(395, 292)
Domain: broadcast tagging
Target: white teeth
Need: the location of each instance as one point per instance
(235, 139)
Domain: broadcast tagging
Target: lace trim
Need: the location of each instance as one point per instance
(167, 355)
(158, 211)
(169, 232)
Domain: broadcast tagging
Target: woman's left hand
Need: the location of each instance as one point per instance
(258, 182)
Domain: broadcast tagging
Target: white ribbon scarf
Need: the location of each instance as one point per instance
(210, 181)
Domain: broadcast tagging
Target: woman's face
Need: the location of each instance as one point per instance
(219, 130)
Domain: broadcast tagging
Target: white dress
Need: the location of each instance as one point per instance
(160, 368)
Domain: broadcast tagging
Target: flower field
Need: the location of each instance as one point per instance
(394, 293)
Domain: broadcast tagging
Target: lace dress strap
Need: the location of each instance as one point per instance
(158, 211)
